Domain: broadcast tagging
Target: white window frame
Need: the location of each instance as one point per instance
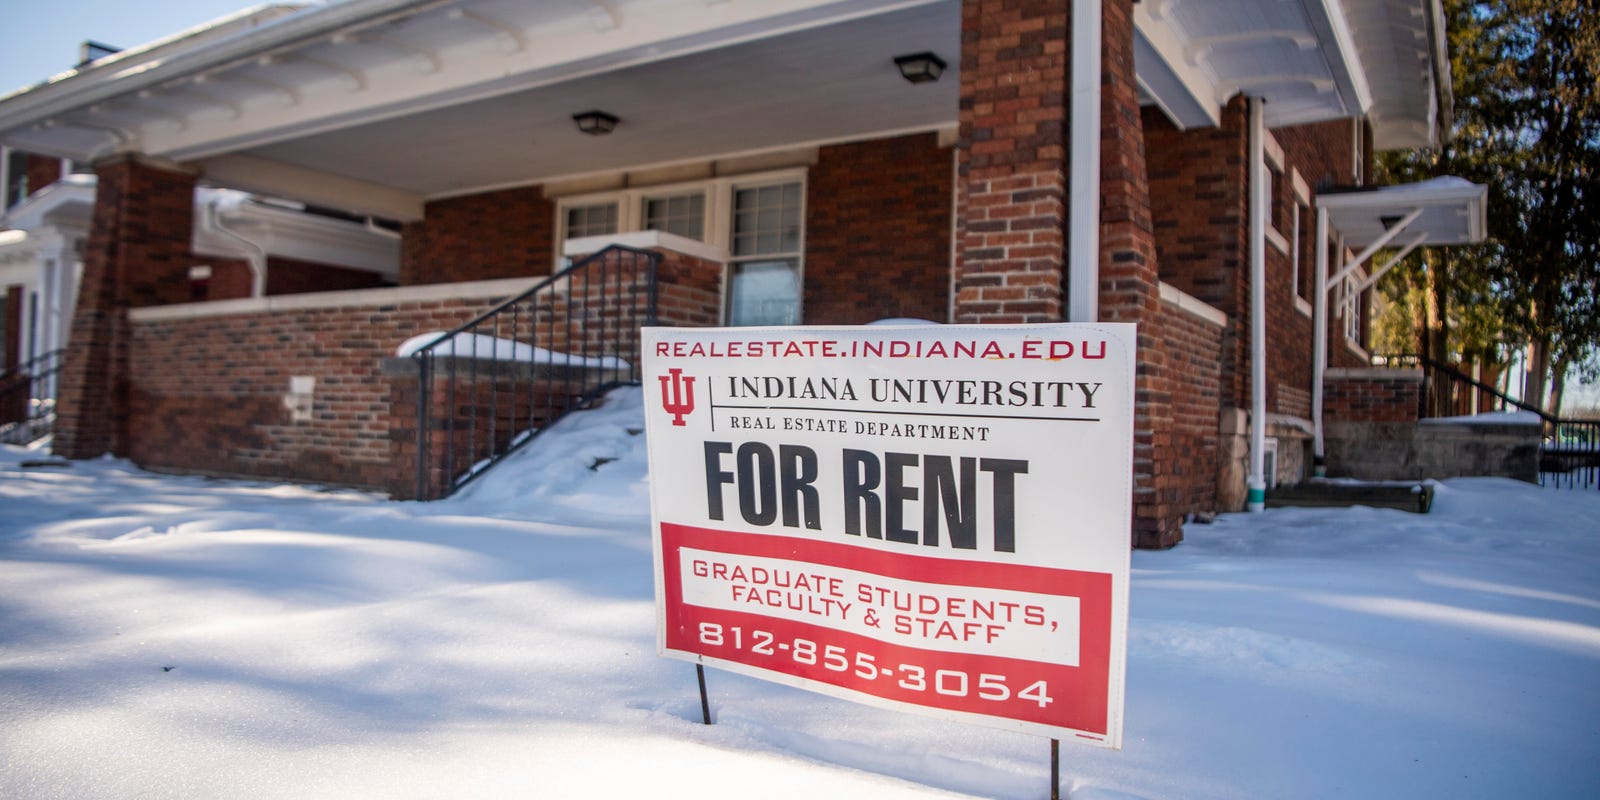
(1350, 308)
(1301, 220)
(718, 213)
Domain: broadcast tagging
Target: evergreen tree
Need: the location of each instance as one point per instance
(1527, 124)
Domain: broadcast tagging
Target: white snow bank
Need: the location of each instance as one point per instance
(180, 637)
(476, 345)
(1489, 418)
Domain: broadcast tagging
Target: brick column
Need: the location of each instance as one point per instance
(138, 255)
(1011, 183)
(1130, 286)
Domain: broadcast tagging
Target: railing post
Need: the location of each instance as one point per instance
(424, 389)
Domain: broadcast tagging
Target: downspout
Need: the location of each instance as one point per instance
(1257, 497)
(1083, 180)
(1319, 343)
(255, 254)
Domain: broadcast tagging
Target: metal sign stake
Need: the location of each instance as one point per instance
(1055, 769)
(705, 705)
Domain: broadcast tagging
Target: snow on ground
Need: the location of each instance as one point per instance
(180, 637)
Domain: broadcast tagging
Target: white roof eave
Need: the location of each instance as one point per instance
(105, 81)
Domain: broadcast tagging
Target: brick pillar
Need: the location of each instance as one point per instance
(1130, 287)
(1011, 184)
(138, 255)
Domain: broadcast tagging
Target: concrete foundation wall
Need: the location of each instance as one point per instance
(1432, 449)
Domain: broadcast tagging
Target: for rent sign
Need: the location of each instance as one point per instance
(931, 518)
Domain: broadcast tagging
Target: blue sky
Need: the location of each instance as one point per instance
(40, 38)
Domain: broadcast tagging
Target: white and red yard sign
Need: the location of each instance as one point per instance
(933, 518)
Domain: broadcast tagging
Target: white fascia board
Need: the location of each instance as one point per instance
(264, 176)
(119, 78)
(1185, 92)
(1344, 60)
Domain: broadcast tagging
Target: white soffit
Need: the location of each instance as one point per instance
(328, 67)
(1452, 212)
(1310, 60)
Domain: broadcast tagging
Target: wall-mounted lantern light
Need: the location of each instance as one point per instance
(920, 67)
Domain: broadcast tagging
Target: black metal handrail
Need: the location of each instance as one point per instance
(491, 385)
(1569, 452)
(28, 398)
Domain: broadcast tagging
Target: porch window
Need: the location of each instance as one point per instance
(758, 219)
(596, 219)
(681, 214)
(764, 273)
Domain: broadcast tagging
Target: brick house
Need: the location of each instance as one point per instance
(794, 162)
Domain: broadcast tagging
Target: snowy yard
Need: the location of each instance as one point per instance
(179, 637)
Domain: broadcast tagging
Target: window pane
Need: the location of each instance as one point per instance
(683, 215)
(595, 220)
(765, 293)
(767, 220)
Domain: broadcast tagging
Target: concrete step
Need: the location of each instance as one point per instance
(1414, 497)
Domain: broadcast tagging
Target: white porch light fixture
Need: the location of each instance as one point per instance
(920, 67)
(595, 123)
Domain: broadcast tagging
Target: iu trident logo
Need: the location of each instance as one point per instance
(677, 398)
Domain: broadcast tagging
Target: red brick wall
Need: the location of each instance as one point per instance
(1322, 152)
(231, 279)
(1130, 291)
(504, 234)
(42, 171)
(878, 232)
(1200, 207)
(1199, 183)
(292, 276)
(14, 391)
(1370, 395)
(11, 334)
(1011, 193)
(1192, 345)
(688, 291)
(209, 393)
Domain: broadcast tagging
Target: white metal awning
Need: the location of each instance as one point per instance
(1452, 211)
(1440, 211)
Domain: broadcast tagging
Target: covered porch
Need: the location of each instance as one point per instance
(827, 184)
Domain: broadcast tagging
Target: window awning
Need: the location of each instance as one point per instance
(1452, 211)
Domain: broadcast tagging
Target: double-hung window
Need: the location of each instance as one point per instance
(764, 269)
(758, 220)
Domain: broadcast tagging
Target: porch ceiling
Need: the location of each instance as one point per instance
(821, 84)
(1310, 60)
(379, 105)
